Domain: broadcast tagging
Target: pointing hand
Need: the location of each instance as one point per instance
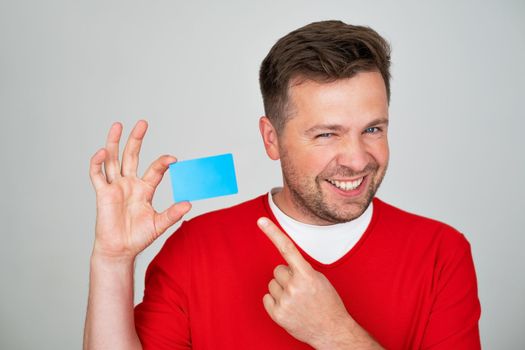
(301, 299)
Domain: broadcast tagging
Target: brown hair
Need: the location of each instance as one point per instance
(321, 51)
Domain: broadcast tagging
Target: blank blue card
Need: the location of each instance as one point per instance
(203, 178)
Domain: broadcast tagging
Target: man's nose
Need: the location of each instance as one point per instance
(353, 154)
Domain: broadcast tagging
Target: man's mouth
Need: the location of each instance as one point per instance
(346, 185)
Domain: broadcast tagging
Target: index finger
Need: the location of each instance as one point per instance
(286, 247)
(156, 170)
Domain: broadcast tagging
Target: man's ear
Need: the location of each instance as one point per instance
(270, 139)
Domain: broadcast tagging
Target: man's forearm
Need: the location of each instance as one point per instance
(109, 321)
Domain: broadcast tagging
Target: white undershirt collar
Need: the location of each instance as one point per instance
(325, 244)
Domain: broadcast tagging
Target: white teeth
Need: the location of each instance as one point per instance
(346, 185)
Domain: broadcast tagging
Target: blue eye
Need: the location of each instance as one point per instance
(372, 130)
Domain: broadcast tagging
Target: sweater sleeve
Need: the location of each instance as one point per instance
(453, 322)
(162, 318)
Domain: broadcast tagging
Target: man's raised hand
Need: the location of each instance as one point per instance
(126, 221)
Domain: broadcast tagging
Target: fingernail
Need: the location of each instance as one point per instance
(262, 221)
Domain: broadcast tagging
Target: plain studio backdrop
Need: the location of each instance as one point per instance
(68, 69)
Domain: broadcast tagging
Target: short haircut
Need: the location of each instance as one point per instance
(323, 52)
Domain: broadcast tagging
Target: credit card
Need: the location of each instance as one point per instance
(203, 178)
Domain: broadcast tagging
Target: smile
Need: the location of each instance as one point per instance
(346, 185)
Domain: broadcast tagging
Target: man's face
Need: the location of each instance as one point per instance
(334, 148)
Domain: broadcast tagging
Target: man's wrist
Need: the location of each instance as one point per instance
(103, 260)
(349, 335)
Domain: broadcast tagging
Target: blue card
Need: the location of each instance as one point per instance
(203, 178)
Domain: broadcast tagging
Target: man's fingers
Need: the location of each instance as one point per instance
(269, 305)
(156, 170)
(170, 216)
(130, 156)
(282, 275)
(285, 246)
(275, 289)
(95, 169)
(111, 164)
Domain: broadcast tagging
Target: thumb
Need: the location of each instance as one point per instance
(170, 216)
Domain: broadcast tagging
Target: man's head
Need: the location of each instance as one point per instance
(326, 92)
(323, 52)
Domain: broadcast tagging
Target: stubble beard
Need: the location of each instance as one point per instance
(308, 197)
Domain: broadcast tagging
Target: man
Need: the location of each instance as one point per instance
(319, 263)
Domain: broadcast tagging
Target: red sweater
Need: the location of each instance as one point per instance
(409, 281)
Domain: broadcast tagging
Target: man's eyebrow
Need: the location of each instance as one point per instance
(378, 121)
(325, 127)
(338, 127)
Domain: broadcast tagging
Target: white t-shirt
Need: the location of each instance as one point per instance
(325, 244)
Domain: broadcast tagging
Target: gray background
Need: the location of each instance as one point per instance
(68, 69)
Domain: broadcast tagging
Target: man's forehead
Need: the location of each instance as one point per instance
(363, 91)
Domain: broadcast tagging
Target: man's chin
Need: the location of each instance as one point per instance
(348, 210)
(349, 216)
(337, 214)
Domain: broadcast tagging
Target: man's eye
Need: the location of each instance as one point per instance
(324, 135)
(372, 130)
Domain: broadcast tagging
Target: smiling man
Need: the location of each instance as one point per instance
(333, 149)
(319, 263)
